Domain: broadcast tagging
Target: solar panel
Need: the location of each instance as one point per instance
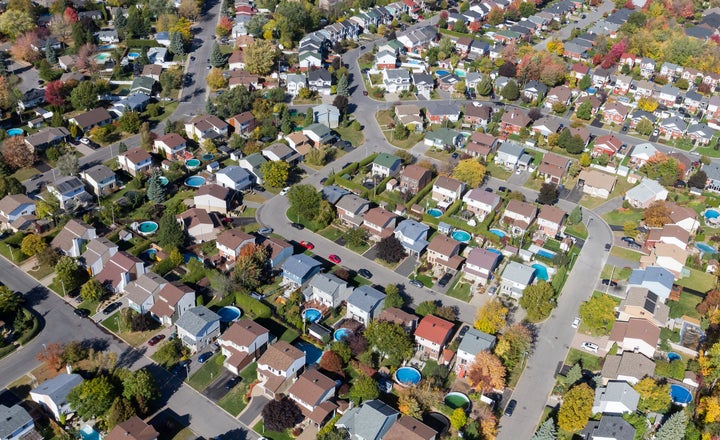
(651, 296)
(649, 306)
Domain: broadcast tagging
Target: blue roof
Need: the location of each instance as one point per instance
(652, 274)
(412, 229)
(235, 173)
(366, 298)
(300, 265)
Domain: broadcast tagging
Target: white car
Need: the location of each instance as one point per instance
(589, 346)
(576, 323)
(284, 190)
(85, 141)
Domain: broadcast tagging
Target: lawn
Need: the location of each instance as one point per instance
(355, 137)
(621, 188)
(578, 230)
(41, 271)
(90, 305)
(497, 171)
(272, 435)
(698, 281)
(625, 253)
(610, 271)
(133, 338)
(686, 306)
(709, 152)
(203, 377)
(12, 253)
(406, 143)
(621, 216)
(587, 360)
(460, 290)
(331, 233)
(167, 110)
(234, 401)
(24, 173)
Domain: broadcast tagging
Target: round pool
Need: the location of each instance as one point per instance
(192, 163)
(195, 181)
(406, 376)
(147, 228)
(190, 256)
(434, 212)
(442, 72)
(150, 254)
(312, 315)
(709, 213)
(457, 400)
(680, 395)
(541, 271)
(133, 55)
(342, 333)
(164, 181)
(101, 57)
(461, 236)
(706, 248)
(229, 314)
(208, 157)
(499, 232)
(673, 356)
(15, 132)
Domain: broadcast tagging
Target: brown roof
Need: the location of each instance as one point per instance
(409, 428)
(485, 139)
(196, 216)
(213, 190)
(596, 179)
(414, 172)
(212, 120)
(580, 68)
(136, 155)
(434, 329)
(638, 297)
(562, 92)
(444, 245)
(628, 364)
(167, 298)
(92, 117)
(172, 140)
(679, 213)
(280, 356)
(244, 40)
(73, 229)
(515, 117)
(553, 165)
(311, 386)
(448, 183)
(594, 101)
(522, 208)
(276, 246)
(232, 238)
(322, 411)
(243, 117)
(397, 316)
(477, 111)
(672, 251)
(616, 106)
(237, 56)
(610, 141)
(297, 137)
(132, 429)
(675, 231)
(378, 216)
(635, 328)
(152, 70)
(583, 132)
(244, 332)
(552, 214)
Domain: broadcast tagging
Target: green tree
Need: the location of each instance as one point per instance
(342, 86)
(140, 386)
(576, 408)
(217, 59)
(575, 216)
(170, 232)
(598, 314)
(326, 214)
(364, 388)
(484, 87)
(573, 375)
(309, 117)
(698, 180)
(584, 111)
(390, 341)
(426, 308)
(356, 237)
(547, 431)
(584, 83)
(68, 273)
(401, 132)
(130, 122)
(92, 290)
(169, 354)
(538, 300)
(177, 45)
(120, 410)
(84, 96)
(275, 173)
(630, 229)
(50, 55)
(674, 427)
(155, 189)
(68, 164)
(458, 418)
(644, 127)
(304, 200)
(33, 244)
(260, 57)
(510, 91)
(654, 397)
(513, 345)
(585, 160)
(93, 397)
(548, 194)
(393, 298)
(9, 301)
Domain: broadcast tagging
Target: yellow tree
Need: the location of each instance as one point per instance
(576, 408)
(491, 317)
(215, 79)
(710, 408)
(469, 171)
(32, 244)
(647, 104)
(487, 373)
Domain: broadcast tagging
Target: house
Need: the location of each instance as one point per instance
(370, 421)
(614, 112)
(644, 89)
(424, 83)
(647, 67)
(198, 327)
(98, 251)
(17, 212)
(326, 114)
(319, 134)
(610, 427)
(481, 203)
(480, 265)
(119, 271)
(550, 220)
(396, 80)
(153, 72)
(443, 253)
(69, 191)
(600, 77)
(135, 161)
(534, 90)
(445, 138)
(471, 344)
(558, 94)
(643, 304)
(328, 290)
(579, 70)
(133, 428)
(30, 99)
(645, 193)
(51, 395)
(655, 279)
(365, 304)
(320, 81)
(638, 115)
(300, 143)
(280, 250)
(385, 165)
(234, 177)
(553, 168)
(16, 423)
(171, 146)
(515, 278)
(642, 153)
(412, 235)
(700, 133)
(670, 234)
(295, 82)
(508, 155)
(667, 256)
(386, 60)
(157, 55)
(438, 112)
(622, 84)
(406, 320)
(100, 178)
(606, 144)
(333, 193)
(203, 127)
(243, 342)
(519, 216)
(279, 152)
(200, 225)
(476, 115)
(513, 121)
(142, 84)
(637, 335)
(72, 237)
(231, 242)
(47, 137)
(237, 60)
(546, 126)
(627, 366)
(310, 390)
(672, 127)
(409, 114)
(67, 62)
(299, 269)
(135, 102)
(694, 101)
(254, 165)
(683, 216)
(243, 123)
(617, 397)
(668, 95)
(481, 145)
(413, 178)
(595, 104)
(97, 117)
(140, 293)
(278, 366)
(410, 428)
(447, 191)
(351, 209)
(379, 222)
(431, 335)
(213, 198)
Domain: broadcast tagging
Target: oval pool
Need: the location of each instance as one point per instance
(195, 181)
(147, 228)
(15, 132)
(434, 212)
(457, 400)
(541, 271)
(208, 157)
(709, 213)
(672, 356)
(461, 236)
(680, 395)
(500, 233)
(406, 376)
(164, 181)
(312, 315)
(229, 314)
(342, 333)
(706, 248)
(192, 163)
(133, 55)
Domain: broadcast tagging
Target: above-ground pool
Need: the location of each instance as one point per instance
(150, 254)
(147, 228)
(312, 353)
(312, 315)
(499, 232)
(680, 395)
(195, 181)
(229, 314)
(102, 57)
(457, 400)
(460, 73)
(164, 181)
(673, 356)
(342, 334)
(442, 72)
(434, 212)
(208, 157)
(407, 376)
(88, 433)
(190, 256)
(133, 55)
(17, 132)
(546, 254)
(709, 213)
(192, 163)
(461, 236)
(541, 271)
(706, 248)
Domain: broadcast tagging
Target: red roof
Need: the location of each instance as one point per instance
(434, 329)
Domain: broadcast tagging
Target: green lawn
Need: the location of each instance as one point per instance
(234, 401)
(686, 306)
(497, 172)
(460, 290)
(272, 435)
(331, 233)
(709, 152)
(406, 143)
(12, 253)
(207, 373)
(625, 254)
(133, 338)
(426, 280)
(24, 173)
(355, 137)
(619, 273)
(579, 230)
(587, 360)
(621, 216)
(42, 271)
(698, 281)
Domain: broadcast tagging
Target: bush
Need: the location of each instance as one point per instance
(34, 330)
(252, 306)
(368, 160)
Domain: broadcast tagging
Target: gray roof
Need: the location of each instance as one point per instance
(519, 273)
(353, 203)
(333, 193)
(58, 387)
(366, 298)
(300, 265)
(411, 228)
(235, 173)
(196, 319)
(651, 274)
(615, 427)
(319, 129)
(370, 421)
(617, 391)
(402, 74)
(328, 283)
(646, 190)
(712, 171)
(67, 184)
(423, 78)
(442, 108)
(99, 173)
(476, 341)
(12, 419)
(512, 149)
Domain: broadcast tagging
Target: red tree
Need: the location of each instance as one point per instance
(614, 53)
(70, 15)
(55, 93)
(226, 23)
(331, 361)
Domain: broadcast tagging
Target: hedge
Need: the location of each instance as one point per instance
(452, 209)
(27, 336)
(368, 159)
(131, 43)
(421, 194)
(381, 186)
(7, 350)
(15, 239)
(352, 186)
(251, 306)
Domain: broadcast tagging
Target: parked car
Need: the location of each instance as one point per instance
(307, 245)
(365, 93)
(417, 283)
(502, 189)
(284, 190)
(492, 290)
(155, 339)
(232, 382)
(83, 313)
(589, 346)
(609, 282)
(334, 258)
(298, 226)
(85, 141)
(510, 408)
(111, 308)
(204, 357)
(365, 273)
(628, 240)
(488, 189)
(608, 246)
(576, 323)
(265, 231)
(445, 280)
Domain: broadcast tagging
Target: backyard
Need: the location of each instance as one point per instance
(685, 306)
(698, 281)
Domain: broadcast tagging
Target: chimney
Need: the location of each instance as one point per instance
(68, 368)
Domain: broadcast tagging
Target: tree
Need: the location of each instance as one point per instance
(698, 180)
(573, 375)
(547, 431)
(647, 104)
(356, 237)
(309, 117)
(155, 189)
(469, 171)
(260, 57)
(513, 345)
(22, 49)
(409, 406)
(93, 397)
(275, 173)
(9, 301)
(538, 300)
(140, 386)
(51, 355)
(217, 59)
(170, 232)
(486, 373)
(68, 273)
(458, 418)
(654, 397)
(576, 408)
(189, 9)
(304, 200)
(14, 23)
(331, 361)
(68, 164)
(92, 291)
(16, 153)
(120, 410)
(575, 216)
(644, 127)
(33, 244)
(342, 86)
(426, 308)
(484, 87)
(674, 427)
(598, 314)
(510, 91)
(584, 83)
(364, 388)
(73, 352)
(657, 214)
(710, 303)
(129, 122)
(401, 132)
(177, 45)
(490, 317)
(390, 340)
(548, 194)
(584, 110)
(83, 96)
(393, 298)
(55, 94)
(391, 250)
(50, 55)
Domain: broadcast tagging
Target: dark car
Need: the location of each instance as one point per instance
(454, 155)
(83, 313)
(232, 382)
(680, 184)
(111, 308)
(628, 240)
(607, 246)
(445, 280)
(510, 408)
(323, 180)
(609, 282)
(417, 283)
(502, 189)
(155, 339)
(624, 129)
(488, 189)
(204, 357)
(298, 226)
(365, 93)
(365, 273)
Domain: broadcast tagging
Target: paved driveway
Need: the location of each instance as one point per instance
(573, 196)
(253, 410)
(407, 267)
(216, 390)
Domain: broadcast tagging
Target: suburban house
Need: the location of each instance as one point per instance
(412, 235)
(546, 126)
(480, 202)
(471, 344)
(637, 335)
(410, 428)
(667, 256)
(553, 168)
(319, 134)
(212, 198)
(515, 278)
(47, 137)
(280, 250)
(413, 178)
(617, 397)
(684, 217)
(476, 115)
(299, 142)
(278, 367)
(71, 238)
(645, 193)
(671, 234)
(509, 154)
(397, 316)
(370, 421)
(97, 117)
(17, 212)
(299, 269)
(480, 264)
(642, 153)
(365, 304)
(135, 161)
(444, 138)
(396, 80)
(310, 390)
(326, 114)
(253, 163)
(409, 114)
(481, 145)
(447, 191)
(559, 94)
(171, 146)
(443, 253)
(673, 127)
(69, 191)
(596, 184)
(437, 112)
(16, 423)
(279, 152)
(513, 121)
(550, 220)
(200, 225)
(655, 279)
(643, 304)
(295, 82)
(198, 327)
(97, 252)
(203, 127)
(234, 177)
(628, 366)
(231, 242)
(119, 271)
(171, 302)
(610, 427)
(243, 123)
(518, 216)
(607, 144)
(614, 112)
(380, 223)
(140, 293)
(243, 342)
(51, 395)
(100, 179)
(385, 165)
(327, 290)
(431, 335)
(351, 208)
(133, 428)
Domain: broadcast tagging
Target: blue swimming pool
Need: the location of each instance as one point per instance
(133, 55)
(192, 163)
(460, 73)
(15, 132)
(147, 228)
(546, 254)
(709, 213)
(706, 248)
(407, 376)
(500, 233)
(461, 236)
(229, 314)
(164, 180)
(195, 181)
(673, 356)
(88, 433)
(680, 395)
(312, 315)
(312, 353)
(541, 271)
(494, 251)
(190, 256)
(342, 334)
(150, 254)
(442, 72)
(434, 212)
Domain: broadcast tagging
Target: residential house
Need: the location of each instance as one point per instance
(575, 52)
(600, 77)
(534, 90)
(69, 191)
(231, 242)
(686, 218)
(476, 115)
(319, 134)
(558, 94)
(637, 335)
(97, 117)
(412, 235)
(424, 84)
(380, 223)
(622, 84)
(171, 146)
(351, 209)
(437, 112)
(513, 121)
(447, 191)
(200, 225)
(143, 85)
(518, 216)
(171, 302)
(397, 316)
(595, 104)
(443, 253)
(668, 95)
(385, 165)
(153, 72)
(31, 99)
(550, 220)
(431, 335)
(133, 428)
(667, 256)
(606, 144)
(72, 237)
(481, 145)
(17, 212)
(370, 421)
(328, 290)
(694, 101)
(365, 304)
(327, 115)
(278, 367)
(295, 82)
(700, 133)
(638, 115)
(614, 112)
(610, 427)
(279, 152)
(471, 344)
(445, 138)
(135, 102)
(119, 271)
(320, 81)
(410, 428)
(333, 193)
(101, 179)
(306, 61)
(643, 304)
(617, 397)
(52, 394)
(198, 327)
(413, 178)
(16, 423)
(299, 269)
(98, 251)
(396, 80)
(280, 250)
(713, 108)
(509, 154)
(140, 293)
(480, 265)
(641, 153)
(673, 127)
(243, 123)
(712, 171)
(553, 168)
(670, 234)
(409, 114)
(579, 70)
(627, 366)
(213, 198)
(386, 60)
(645, 193)
(234, 177)
(644, 89)
(655, 279)
(203, 127)
(311, 390)
(647, 67)
(243, 342)
(515, 278)
(481, 203)
(135, 161)
(237, 60)
(546, 126)
(47, 137)
(254, 165)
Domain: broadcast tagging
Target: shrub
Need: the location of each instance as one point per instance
(252, 306)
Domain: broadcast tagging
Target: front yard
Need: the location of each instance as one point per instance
(625, 254)
(460, 290)
(621, 216)
(234, 401)
(203, 377)
(115, 325)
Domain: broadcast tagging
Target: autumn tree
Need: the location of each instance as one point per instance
(391, 341)
(513, 344)
(92, 290)
(93, 397)
(215, 79)
(486, 373)
(275, 173)
(458, 419)
(709, 408)
(409, 405)
(22, 48)
(55, 93)
(189, 9)
(598, 314)
(331, 361)
(657, 214)
(33, 244)
(576, 408)
(16, 154)
(469, 171)
(654, 396)
(490, 317)
(710, 303)
(260, 57)
(391, 250)
(538, 300)
(14, 23)
(51, 355)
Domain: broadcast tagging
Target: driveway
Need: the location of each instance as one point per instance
(216, 390)
(407, 267)
(573, 196)
(519, 179)
(601, 341)
(253, 410)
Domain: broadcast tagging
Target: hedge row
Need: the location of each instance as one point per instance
(27, 336)
(421, 194)
(251, 306)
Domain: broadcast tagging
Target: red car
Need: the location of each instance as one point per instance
(334, 258)
(155, 339)
(307, 245)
